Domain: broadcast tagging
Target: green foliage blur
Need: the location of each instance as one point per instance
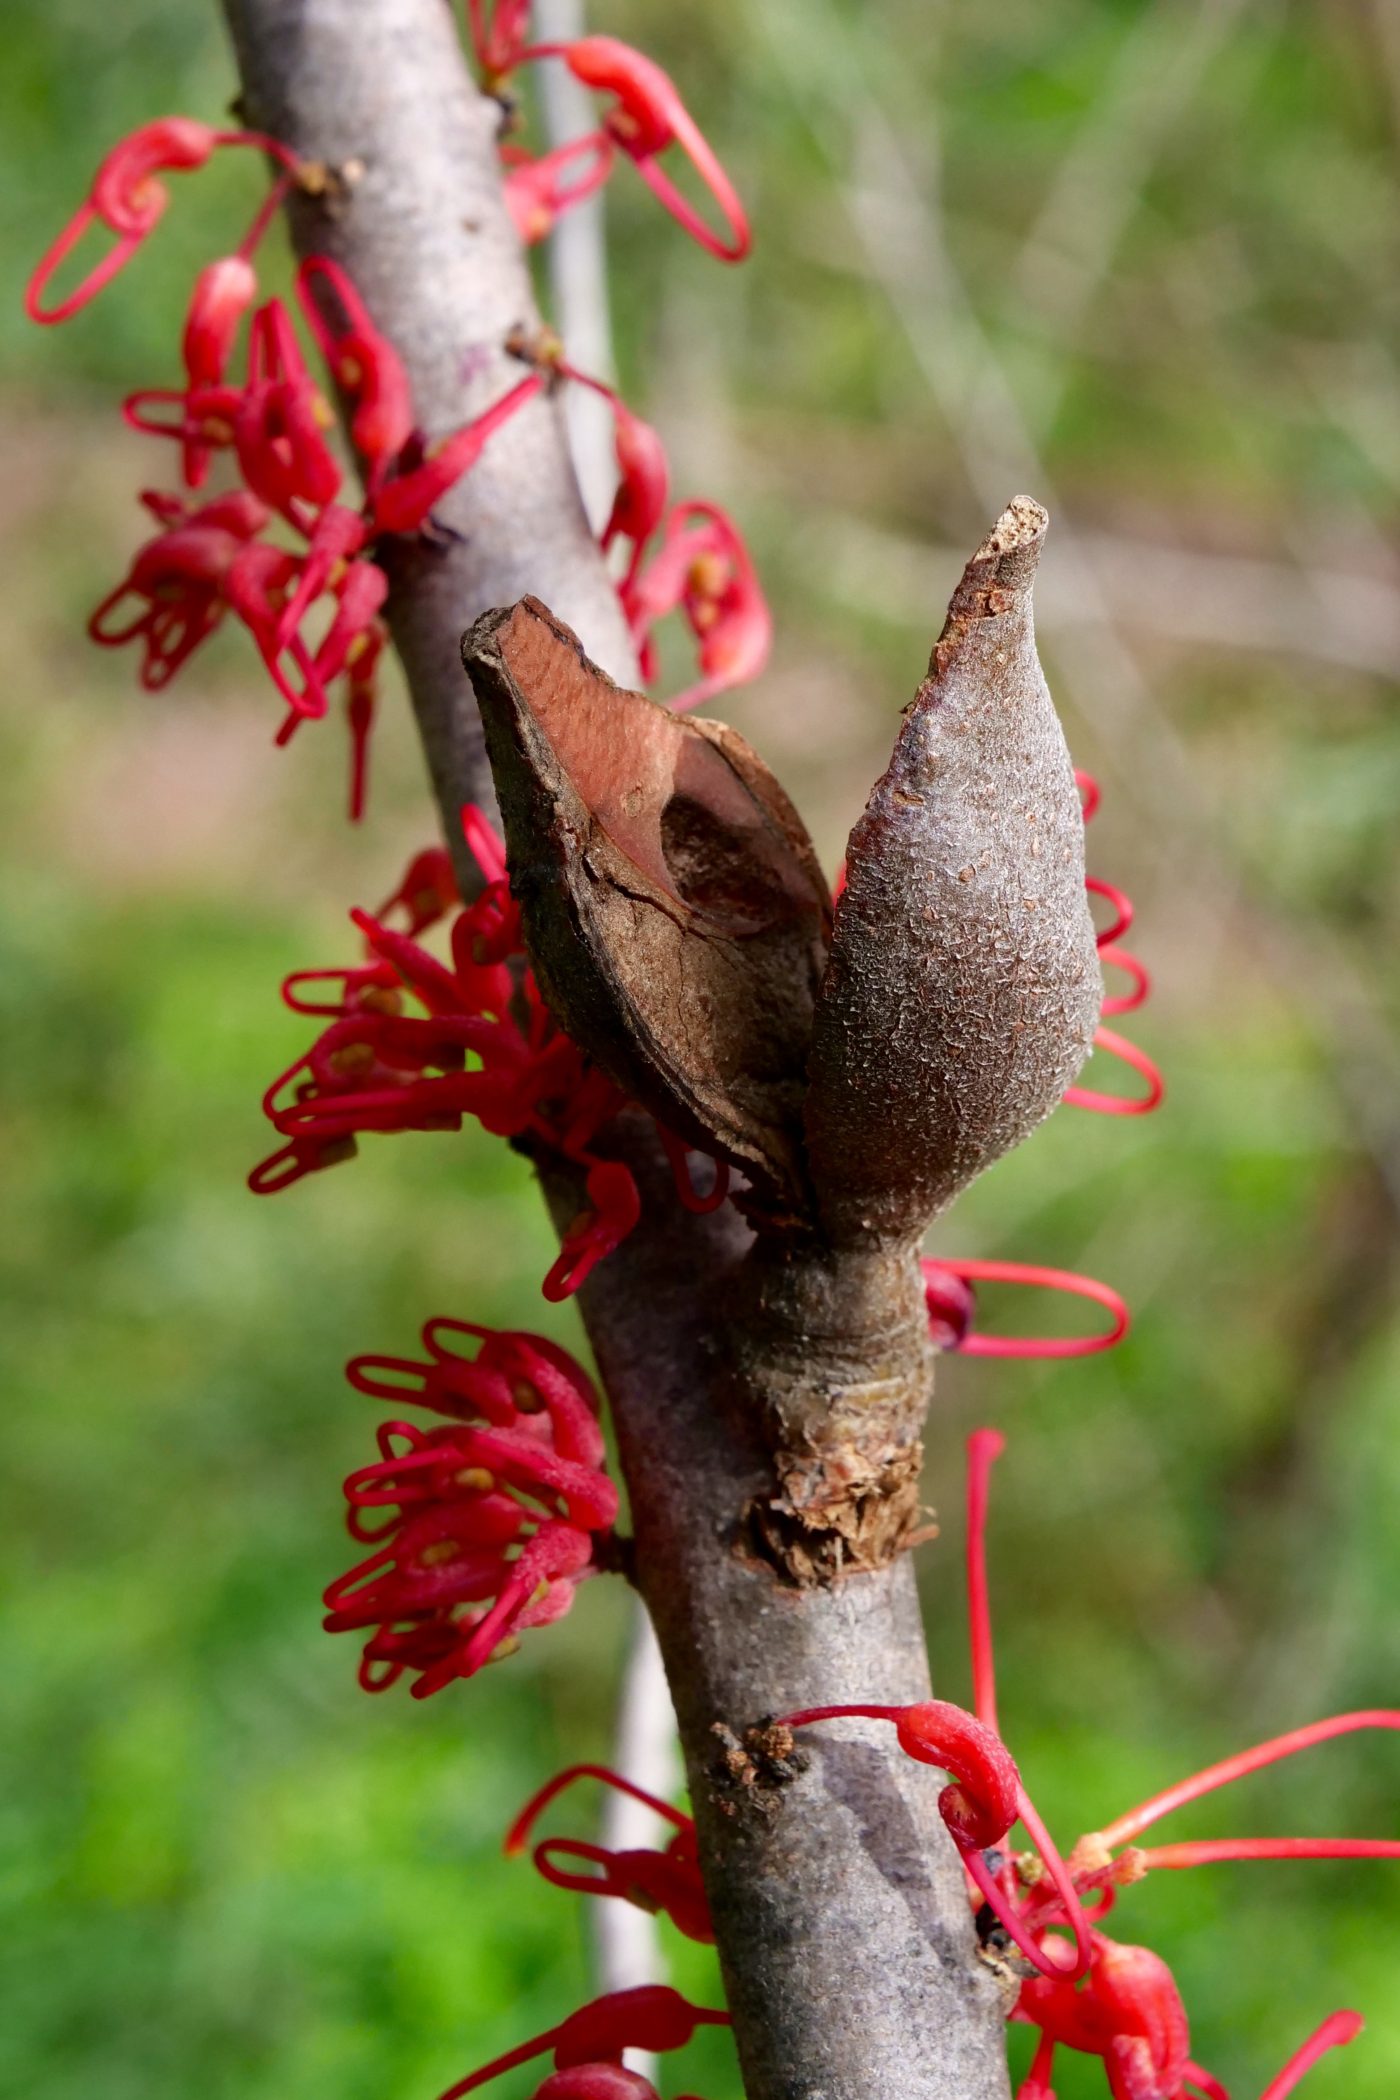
(1136, 256)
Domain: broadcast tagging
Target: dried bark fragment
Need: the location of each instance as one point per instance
(675, 912)
(963, 989)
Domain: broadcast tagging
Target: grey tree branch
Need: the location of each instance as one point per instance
(843, 1927)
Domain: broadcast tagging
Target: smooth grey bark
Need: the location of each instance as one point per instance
(843, 1927)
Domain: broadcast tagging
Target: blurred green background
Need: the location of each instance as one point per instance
(1138, 258)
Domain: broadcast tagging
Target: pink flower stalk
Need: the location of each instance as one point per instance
(651, 2017)
(538, 192)
(498, 1509)
(128, 198)
(667, 1882)
(499, 32)
(952, 1302)
(702, 569)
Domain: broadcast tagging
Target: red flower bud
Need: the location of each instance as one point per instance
(366, 366)
(647, 117)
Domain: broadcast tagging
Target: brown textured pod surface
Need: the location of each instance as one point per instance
(963, 989)
(675, 912)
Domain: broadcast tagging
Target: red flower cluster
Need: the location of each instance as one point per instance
(588, 2046)
(380, 1067)
(644, 119)
(312, 598)
(1090, 1993)
(494, 1518)
(1128, 2009)
(282, 553)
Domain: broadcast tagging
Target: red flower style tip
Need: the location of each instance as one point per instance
(661, 1882)
(702, 569)
(223, 292)
(497, 1509)
(364, 363)
(128, 198)
(952, 1303)
(1336, 2031)
(538, 192)
(652, 2017)
(643, 483)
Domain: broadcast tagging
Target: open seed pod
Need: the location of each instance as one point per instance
(675, 913)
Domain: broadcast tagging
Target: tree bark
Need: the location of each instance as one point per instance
(843, 1928)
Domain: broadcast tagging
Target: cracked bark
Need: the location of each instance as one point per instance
(844, 1932)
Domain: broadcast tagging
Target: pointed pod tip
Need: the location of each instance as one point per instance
(1023, 523)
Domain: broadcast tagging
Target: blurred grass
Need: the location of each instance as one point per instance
(223, 1867)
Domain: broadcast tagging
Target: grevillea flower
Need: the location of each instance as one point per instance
(128, 198)
(645, 119)
(380, 1066)
(176, 591)
(983, 1799)
(403, 503)
(647, 116)
(1090, 1993)
(273, 424)
(1127, 2008)
(702, 569)
(492, 1519)
(592, 2040)
(952, 1304)
(654, 1881)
